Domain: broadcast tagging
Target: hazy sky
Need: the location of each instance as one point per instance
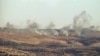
(61, 12)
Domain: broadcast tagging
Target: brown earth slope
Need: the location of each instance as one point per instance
(40, 45)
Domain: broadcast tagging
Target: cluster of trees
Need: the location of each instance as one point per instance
(80, 21)
(83, 20)
(33, 25)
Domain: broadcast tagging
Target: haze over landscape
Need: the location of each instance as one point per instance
(49, 28)
(61, 12)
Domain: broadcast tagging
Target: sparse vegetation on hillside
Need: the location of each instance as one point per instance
(38, 45)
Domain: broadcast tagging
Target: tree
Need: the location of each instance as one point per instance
(33, 26)
(65, 27)
(9, 26)
(51, 26)
(82, 20)
(92, 27)
(50, 29)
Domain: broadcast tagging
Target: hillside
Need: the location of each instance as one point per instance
(39, 45)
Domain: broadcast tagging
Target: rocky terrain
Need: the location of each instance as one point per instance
(17, 44)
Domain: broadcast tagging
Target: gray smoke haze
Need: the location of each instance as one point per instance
(1, 13)
(61, 12)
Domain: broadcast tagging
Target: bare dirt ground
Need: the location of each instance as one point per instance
(39, 45)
